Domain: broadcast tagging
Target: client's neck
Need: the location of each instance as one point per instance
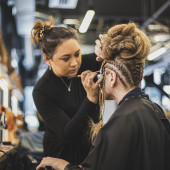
(119, 92)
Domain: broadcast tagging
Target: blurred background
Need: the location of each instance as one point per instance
(21, 61)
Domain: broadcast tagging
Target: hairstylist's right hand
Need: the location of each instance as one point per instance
(91, 87)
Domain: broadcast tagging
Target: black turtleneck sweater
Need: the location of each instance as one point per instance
(66, 114)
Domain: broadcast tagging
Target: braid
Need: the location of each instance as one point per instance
(121, 71)
(137, 72)
(96, 127)
(125, 49)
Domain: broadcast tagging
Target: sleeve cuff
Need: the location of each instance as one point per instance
(90, 103)
(87, 108)
(72, 167)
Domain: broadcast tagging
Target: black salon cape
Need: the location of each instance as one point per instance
(134, 138)
(66, 114)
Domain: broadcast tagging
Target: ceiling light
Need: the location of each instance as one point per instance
(156, 27)
(161, 37)
(157, 53)
(86, 21)
(63, 4)
(71, 21)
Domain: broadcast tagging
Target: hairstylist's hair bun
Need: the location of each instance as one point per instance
(126, 41)
(40, 30)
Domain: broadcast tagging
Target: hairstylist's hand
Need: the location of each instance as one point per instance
(55, 163)
(98, 48)
(92, 88)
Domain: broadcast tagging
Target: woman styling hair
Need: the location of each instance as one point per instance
(137, 136)
(61, 100)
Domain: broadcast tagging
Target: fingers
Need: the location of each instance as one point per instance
(87, 78)
(84, 74)
(45, 162)
(102, 37)
(40, 166)
(98, 52)
(98, 43)
(99, 58)
(99, 81)
(90, 77)
(90, 86)
(98, 49)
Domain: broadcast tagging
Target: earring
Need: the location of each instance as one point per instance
(49, 67)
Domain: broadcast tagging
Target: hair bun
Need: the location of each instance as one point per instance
(123, 30)
(40, 29)
(128, 29)
(126, 41)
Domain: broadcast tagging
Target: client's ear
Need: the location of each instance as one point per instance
(113, 78)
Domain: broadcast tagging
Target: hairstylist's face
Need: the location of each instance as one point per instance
(66, 60)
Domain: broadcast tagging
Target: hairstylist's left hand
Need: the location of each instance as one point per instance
(55, 163)
(91, 87)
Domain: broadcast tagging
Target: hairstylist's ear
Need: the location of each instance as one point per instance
(112, 78)
(47, 59)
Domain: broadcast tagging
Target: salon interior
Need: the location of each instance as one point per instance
(21, 61)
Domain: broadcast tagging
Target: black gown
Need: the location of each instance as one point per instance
(66, 114)
(136, 137)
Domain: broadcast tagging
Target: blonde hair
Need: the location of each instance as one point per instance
(125, 49)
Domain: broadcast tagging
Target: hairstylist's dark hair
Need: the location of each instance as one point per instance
(125, 49)
(49, 37)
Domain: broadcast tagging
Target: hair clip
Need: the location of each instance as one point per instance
(42, 32)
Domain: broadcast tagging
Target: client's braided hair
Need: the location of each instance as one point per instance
(125, 49)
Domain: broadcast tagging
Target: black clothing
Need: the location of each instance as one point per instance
(66, 113)
(134, 138)
(134, 93)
